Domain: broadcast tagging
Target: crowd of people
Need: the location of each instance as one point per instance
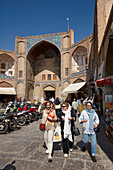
(64, 115)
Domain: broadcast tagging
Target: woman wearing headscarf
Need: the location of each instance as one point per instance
(66, 128)
(90, 121)
(49, 118)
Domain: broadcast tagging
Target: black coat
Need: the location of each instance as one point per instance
(73, 115)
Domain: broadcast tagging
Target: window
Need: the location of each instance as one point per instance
(2, 66)
(43, 76)
(10, 73)
(66, 71)
(54, 77)
(49, 76)
(3, 72)
(20, 74)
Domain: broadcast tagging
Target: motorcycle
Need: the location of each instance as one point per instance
(7, 122)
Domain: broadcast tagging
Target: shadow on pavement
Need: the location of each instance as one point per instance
(10, 166)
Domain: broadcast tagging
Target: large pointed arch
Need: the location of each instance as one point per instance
(44, 58)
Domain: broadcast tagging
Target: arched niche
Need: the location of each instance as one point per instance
(6, 64)
(20, 63)
(78, 80)
(5, 84)
(30, 91)
(66, 42)
(79, 59)
(36, 92)
(66, 60)
(49, 88)
(43, 56)
(109, 59)
(20, 89)
(65, 84)
(21, 46)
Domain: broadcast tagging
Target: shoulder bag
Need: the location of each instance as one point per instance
(42, 125)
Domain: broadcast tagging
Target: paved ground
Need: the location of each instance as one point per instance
(23, 150)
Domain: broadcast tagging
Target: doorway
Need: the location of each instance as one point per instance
(49, 94)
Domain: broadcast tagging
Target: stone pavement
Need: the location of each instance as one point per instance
(23, 150)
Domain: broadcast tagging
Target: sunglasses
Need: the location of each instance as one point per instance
(63, 106)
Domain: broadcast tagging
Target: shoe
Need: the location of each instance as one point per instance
(47, 151)
(49, 158)
(93, 159)
(70, 150)
(65, 155)
(83, 149)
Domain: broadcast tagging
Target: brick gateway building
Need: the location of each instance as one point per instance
(43, 65)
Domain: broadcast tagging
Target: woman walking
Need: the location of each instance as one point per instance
(49, 118)
(66, 128)
(90, 121)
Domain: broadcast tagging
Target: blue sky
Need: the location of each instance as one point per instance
(37, 17)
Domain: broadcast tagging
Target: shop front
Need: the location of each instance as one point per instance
(107, 85)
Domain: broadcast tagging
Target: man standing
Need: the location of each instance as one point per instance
(75, 105)
(90, 121)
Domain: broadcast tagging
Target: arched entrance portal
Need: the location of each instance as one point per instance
(49, 92)
(43, 69)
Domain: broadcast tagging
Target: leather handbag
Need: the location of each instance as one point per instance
(76, 131)
(42, 125)
(96, 130)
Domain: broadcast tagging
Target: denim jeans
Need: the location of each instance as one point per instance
(93, 142)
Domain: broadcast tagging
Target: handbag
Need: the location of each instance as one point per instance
(42, 125)
(76, 131)
(96, 130)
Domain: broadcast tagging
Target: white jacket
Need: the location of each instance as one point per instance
(85, 116)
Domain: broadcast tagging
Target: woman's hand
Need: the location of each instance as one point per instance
(95, 125)
(55, 119)
(70, 118)
(83, 121)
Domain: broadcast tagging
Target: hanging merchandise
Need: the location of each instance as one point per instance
(109, 122)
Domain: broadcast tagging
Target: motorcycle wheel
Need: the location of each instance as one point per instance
(12, 124)
(3, 127)
(21, 121)
(29, 118)
(34, 116)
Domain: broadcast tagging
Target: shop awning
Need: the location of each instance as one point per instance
(73, 88)
(105, 81)
(7, 90)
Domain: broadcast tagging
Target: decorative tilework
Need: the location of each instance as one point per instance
(47, 82)
(6, 77)
(56, 40)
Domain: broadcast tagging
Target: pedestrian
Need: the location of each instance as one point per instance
(90, 121)
(75, 105)
(49, 116)
(86, 100)
(66, 132)
(57, 107)
(91, 99)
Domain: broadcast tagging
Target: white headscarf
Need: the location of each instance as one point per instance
(67, 124)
